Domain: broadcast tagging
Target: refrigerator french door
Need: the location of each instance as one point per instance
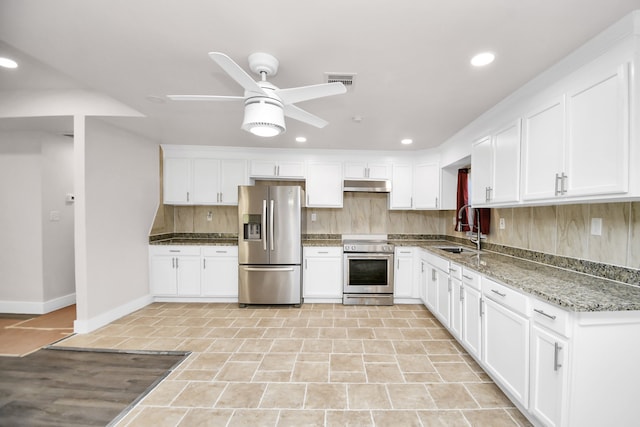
(269, 245)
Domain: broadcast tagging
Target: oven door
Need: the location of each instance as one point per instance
(368, 273)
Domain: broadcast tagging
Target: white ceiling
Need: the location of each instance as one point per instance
(411, 58)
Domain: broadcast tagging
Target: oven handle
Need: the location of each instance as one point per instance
(365, 295)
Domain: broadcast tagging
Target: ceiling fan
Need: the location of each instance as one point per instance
(265, 105)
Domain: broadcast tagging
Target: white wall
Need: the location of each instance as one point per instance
(36, 254)
(121, 187)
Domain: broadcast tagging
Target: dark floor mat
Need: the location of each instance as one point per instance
(78, 387)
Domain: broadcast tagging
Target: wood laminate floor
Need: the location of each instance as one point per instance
(75, 388)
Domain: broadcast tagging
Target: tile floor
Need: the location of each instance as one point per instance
(318, 365)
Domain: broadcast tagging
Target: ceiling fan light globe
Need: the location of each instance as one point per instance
(265, 119)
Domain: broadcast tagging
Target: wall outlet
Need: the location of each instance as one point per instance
(502, 224)
(54, 216)
(209, 216)
(314, 217)
(596, 226)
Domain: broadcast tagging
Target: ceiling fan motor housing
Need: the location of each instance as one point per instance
(263, 117)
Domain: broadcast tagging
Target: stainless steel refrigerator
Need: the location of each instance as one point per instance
(269, 245)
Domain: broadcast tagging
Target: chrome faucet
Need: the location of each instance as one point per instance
(476, 218)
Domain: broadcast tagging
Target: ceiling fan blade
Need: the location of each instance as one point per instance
(304, 93)
(301, 115)
(236, 72)
(204, 98)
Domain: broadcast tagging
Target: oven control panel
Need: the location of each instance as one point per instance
(368, 247)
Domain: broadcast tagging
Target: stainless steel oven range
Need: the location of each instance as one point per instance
(368, 272)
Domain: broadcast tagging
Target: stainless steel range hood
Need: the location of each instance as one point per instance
(378, 186)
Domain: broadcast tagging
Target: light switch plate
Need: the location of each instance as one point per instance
(596, 226)
(502, 224)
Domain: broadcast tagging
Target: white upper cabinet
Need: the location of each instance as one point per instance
(426, 186)
(203, 181)
(577, 145)
(495, 167)
(324, 185)
(364, 170)
(290, 169)
(401, 196)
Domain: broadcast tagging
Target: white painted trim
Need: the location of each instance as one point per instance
(89, 325)
(39, 307)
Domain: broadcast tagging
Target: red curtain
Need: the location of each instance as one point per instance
(462, 221)
(462, 200)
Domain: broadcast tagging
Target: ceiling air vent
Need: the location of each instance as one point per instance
(346, 79)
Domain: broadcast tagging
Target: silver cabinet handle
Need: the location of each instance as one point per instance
(173, 262)
(436, 202)
(481, 307)
(221, 252)
(461, 293)
(323, 252)
(453, 270)
(278, 269)
(187, 196)
(467, 277)
(177, 263)
(174, 250)
(422, 267)
(449, 285)
(556, 356)
(433, 274)
(498, 293)
(204, 263)
(544, 314)
(557, 191)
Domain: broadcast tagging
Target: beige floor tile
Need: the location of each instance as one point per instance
(250, 333)
(379, 358)
(360, 333)
(256, 345)
(489, 418)
(383, 373)
(415, 363)
(241, 395)
(287, 345)
(451, 396)
(348, 418)
(164, 393)
(158, 417)
(300, 418)
(396, 418)
(442, 419)
(237, 371)
(310, 372)
(345, 323)
(254, 418)
(409, 347)
(368, 396)
(519, 418)
(348, 346)
(246, 357)
(281, 396)
(347, 363)
(423, 377)
(410, 396)
(317, 346)
(348, 377)
(326, 396)
(456, 372)
(333, 333)
(488, 395)
(440, 347)
(208, 361)
(278, 333)
(206, 417)
(199, 394)
(277, 362)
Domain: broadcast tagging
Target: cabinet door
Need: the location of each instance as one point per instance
(471, 321)
(403, 275)
(324, 185)
(378, 171)
(506, 348)
(401, 187)
(481, 171)
(206, 173)
(220, 276)
(505, 182)
(232, 174)
(543, 150)
(434, 275)
(456, 308)
(355, 170)
(424, 281)
(322, 277)
(267, 168)
(162, 275)
(443, 302)
(597, 147)
(188, 275)
(426, 186)
(177, 180)
(290, 169)
(548, 376)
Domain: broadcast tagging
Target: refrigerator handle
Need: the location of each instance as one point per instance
(271, 223)
(264, 225)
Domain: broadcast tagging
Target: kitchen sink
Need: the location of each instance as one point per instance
(457, 249)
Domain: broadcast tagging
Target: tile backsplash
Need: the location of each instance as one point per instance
(563, 230)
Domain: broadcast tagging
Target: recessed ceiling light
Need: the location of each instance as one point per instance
(301, 139)
(407, 141)
(482, 59)
(8, 63)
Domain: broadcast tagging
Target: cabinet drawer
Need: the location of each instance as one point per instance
(554, 318)
(220, 251)
(436, 261)
(174, 250)
(506, 296)
(471, 278)
(455, 271)
(322, 251)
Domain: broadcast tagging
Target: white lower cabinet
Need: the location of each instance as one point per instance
(505, 338)
(322, 273)
(548, 375)
(219, 271)
(403, 275)
(174, 270)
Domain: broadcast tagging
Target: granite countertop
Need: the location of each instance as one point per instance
(568, 289)
(571, 290)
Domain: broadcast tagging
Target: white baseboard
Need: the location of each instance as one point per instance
(40, 307)
(89, 325)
